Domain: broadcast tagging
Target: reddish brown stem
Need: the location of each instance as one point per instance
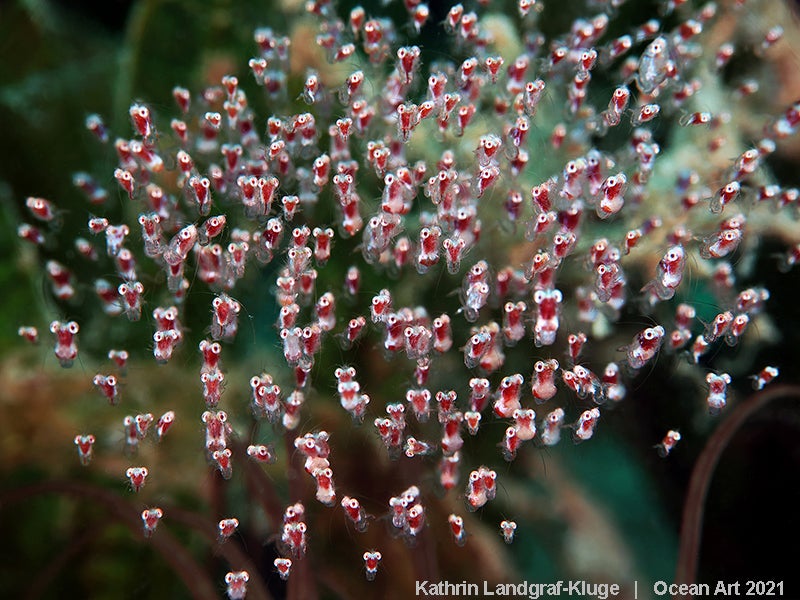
(259, 485)
(194, 577)
(47, 575)
(232, 553)
(692, 521)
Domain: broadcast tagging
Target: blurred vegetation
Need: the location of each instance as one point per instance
(609, 510)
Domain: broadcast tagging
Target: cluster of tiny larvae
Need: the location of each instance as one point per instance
(429, 219)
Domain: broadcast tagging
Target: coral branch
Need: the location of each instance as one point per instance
(694, 508)
(173, 553)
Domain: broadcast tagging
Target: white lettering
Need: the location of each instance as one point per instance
(661, 588)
